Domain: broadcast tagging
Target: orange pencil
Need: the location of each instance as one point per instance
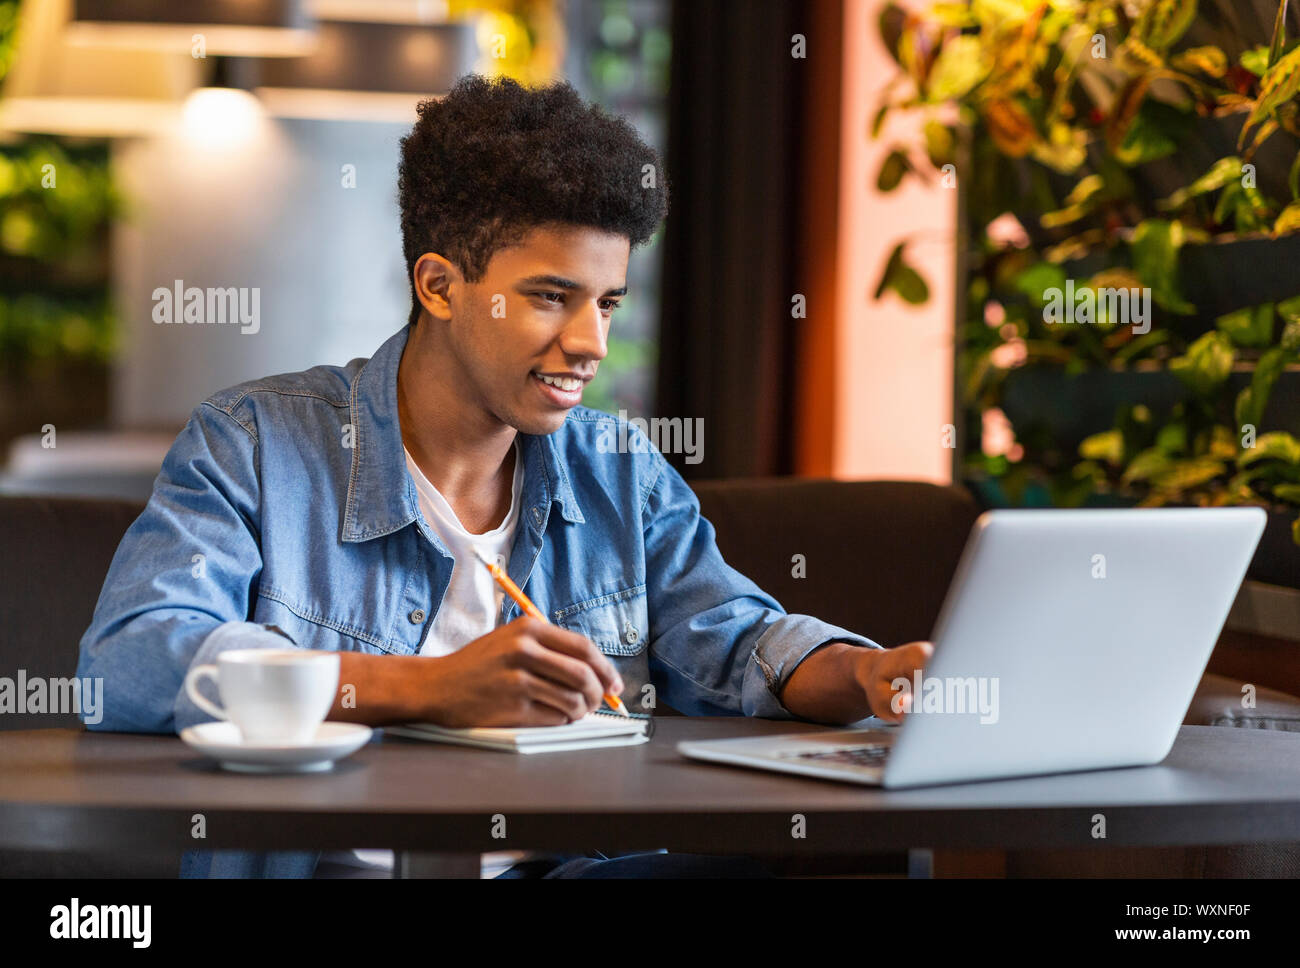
(525, 603)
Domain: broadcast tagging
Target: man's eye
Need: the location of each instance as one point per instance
(552, 297)
(609, 305)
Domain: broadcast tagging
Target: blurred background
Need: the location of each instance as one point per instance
(875, 208)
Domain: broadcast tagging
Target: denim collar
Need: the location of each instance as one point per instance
(381, 495)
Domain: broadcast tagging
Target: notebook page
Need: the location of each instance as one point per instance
(590, 726)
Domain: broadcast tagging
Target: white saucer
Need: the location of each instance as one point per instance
(222, 742)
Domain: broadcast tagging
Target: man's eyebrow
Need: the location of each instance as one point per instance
(560, 282)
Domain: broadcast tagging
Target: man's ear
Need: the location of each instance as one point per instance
(434, 278)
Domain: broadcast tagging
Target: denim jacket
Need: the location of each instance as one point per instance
(286, 502)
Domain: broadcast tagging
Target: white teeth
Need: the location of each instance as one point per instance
(564, 383)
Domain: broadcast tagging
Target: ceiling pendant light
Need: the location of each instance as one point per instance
(248, 28)
(55, 88)
(366, 69)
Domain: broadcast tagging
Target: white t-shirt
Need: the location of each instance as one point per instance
(469, 609)
(472, 602)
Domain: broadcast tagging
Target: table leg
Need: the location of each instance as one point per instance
(418, 864)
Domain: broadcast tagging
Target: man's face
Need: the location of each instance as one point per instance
(530, 334)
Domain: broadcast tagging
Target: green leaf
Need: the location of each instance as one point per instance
(951, 14)
(1207, 363)
(1248, 327)
(1186, 474)
(1139, 345)
(1244, 478)
(1279, 34)
(1223, 443)
(878, 121)
(1164, 21)
(1227, 203)
(1107, 445)
(1245, 205)
(1278, 85)
(1255, 60)
(1086, 188)
(892, 22)
(903, 279)
(1252, 401)
(1222, 172)
(1208, 60)
(1002, 13)
(892, 170)
(1172, 438)
(961, 65)
(939, 143)
(1288, 221)
(1277, 445)
(1146, 465)
(1290, 340)
(1065, 148)
(1080, 201)
(1156, 132)
(1289, 309)
(1287, 492)
(1037, 279)
(1155, 247)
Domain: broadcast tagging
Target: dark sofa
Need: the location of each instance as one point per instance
(878, 558)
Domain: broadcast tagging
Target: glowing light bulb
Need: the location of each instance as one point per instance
(220, 118)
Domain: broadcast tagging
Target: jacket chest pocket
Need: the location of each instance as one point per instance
(617, 623)
(619, 626)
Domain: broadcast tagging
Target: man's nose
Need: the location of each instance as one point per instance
(585, 334)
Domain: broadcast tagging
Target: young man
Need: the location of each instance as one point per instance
(340, 506)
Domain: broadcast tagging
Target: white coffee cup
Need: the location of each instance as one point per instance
(272, 695)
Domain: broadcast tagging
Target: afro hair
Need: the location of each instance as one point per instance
(493, 160)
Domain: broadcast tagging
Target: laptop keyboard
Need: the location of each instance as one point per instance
(870, 756)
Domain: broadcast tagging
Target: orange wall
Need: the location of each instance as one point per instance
(876, 375)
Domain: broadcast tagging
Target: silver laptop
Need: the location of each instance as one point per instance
(1069, 640)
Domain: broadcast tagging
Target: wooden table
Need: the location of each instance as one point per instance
(73, 789)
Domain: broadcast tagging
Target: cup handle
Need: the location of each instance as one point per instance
(192, 690)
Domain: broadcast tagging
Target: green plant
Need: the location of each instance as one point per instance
(55, 209)
(1069, 124)
(56, 204)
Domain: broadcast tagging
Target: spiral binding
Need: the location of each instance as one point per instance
(640, 717)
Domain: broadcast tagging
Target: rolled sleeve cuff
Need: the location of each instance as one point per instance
(778, 652)
(227, 636)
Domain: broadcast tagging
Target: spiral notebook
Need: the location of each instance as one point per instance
(596, 730)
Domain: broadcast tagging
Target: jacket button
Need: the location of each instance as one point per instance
(417, 616)
(629, 633)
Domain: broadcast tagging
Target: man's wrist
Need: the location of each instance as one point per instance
(829, 685)
(385, 690)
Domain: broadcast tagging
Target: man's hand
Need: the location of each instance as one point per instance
(525, 673)
(841, 683)
(877, 669)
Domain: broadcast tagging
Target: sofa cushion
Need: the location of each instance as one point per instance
(1218, 702)
(54, 554)
(878, 556)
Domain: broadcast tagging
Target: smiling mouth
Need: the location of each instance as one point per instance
(566, 383)
(561, 391)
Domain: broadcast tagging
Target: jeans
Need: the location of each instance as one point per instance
(652, 864)
(247, 863)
